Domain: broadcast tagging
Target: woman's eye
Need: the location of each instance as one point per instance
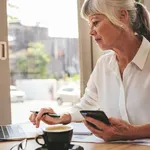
(95, 23)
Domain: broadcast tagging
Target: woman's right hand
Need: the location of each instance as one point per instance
(36, 118)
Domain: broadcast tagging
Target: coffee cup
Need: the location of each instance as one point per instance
(56, 137)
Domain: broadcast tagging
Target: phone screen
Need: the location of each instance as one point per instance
(96, 114)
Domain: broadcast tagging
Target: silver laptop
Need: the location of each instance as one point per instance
(19, 131)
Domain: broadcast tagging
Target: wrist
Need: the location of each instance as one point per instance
(138, 132)
(133, 133)
(66, 118)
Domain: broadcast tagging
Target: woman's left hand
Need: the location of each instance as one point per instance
(117, 130)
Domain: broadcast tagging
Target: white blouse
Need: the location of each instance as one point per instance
(128, 99)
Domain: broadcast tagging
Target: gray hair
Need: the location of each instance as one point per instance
(138, 14)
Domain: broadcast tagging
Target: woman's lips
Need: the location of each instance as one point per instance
(98, 39)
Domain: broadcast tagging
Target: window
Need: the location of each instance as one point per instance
(43, 53)
(84, 49)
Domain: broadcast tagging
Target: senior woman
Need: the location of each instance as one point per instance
(120, 82)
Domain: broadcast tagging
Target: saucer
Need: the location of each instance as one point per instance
(72, 147)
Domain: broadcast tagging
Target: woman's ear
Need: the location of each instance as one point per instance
(123, 16)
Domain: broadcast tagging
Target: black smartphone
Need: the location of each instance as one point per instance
(96, 114)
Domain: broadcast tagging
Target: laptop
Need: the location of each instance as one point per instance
(19, 131)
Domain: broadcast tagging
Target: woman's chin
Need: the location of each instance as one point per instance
(103, 48)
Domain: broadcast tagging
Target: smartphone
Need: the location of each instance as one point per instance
(96, 114)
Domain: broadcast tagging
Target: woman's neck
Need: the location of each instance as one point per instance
(125, 51)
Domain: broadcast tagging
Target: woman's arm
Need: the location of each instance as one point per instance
(142, 131)
(89, 101)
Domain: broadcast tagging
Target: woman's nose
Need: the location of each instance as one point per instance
(92, 32)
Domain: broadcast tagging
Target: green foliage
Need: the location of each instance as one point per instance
(34, 61)
(10, 17)
(22, 63)
(12, 6)
(75, 77)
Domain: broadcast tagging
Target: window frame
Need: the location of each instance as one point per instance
(5, 105)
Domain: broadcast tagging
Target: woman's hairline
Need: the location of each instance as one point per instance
(86, 15)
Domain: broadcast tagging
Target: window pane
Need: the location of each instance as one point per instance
(43, 51)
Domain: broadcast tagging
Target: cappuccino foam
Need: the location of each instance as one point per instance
(58, 128)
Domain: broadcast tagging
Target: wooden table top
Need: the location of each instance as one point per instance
(32, 145)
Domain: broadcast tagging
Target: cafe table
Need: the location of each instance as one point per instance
(32, 145)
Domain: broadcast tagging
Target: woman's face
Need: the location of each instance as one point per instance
(103, 31)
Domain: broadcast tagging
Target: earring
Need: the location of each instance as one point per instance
(135, 33)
